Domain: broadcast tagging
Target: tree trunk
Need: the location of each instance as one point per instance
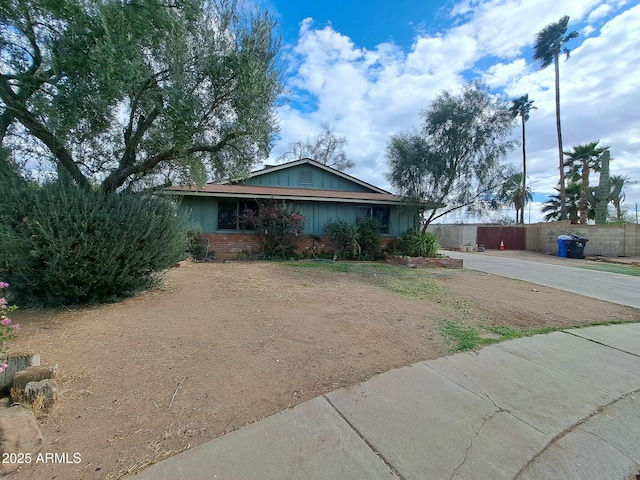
(563, 193)
(524, 170)
(584, 204)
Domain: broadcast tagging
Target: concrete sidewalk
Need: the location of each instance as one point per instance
(558, 406)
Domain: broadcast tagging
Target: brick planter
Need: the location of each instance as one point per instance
(424, 262)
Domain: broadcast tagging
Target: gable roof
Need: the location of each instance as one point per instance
(242, 190)
(287, 193)
(274, 168)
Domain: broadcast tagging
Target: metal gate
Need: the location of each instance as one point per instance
(513, 238)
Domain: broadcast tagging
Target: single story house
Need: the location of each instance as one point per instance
(320, 193)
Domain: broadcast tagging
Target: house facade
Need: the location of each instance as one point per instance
(320, 193)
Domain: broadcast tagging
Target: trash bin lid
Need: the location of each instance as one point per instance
(565, 237)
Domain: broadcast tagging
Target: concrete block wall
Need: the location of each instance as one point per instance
(454, 235)
(605, 240)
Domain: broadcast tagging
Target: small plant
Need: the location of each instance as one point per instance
(7, 331)
(278, 224)
(413, 244)
(197, 246)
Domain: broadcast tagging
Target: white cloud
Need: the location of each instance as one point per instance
(599, 12)
(367, 95)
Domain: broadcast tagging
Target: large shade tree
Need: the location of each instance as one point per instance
(581, 160)
(520, 107)
(551, 42)
(138, 93)
(453, 163)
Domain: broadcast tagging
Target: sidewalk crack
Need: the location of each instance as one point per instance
(565, 432)
(367, 443)
(610, 444)
(485, 420)
(599, 343)
(473, 383)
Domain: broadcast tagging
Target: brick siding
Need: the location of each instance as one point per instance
(229, 245)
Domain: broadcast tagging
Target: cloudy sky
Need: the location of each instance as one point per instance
(369, 68)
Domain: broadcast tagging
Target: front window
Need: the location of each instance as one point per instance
(379, 214)
(229, 213)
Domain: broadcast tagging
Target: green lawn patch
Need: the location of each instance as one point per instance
(466, 337)
(613, 268)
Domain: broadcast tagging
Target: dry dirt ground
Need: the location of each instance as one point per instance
(245, 340)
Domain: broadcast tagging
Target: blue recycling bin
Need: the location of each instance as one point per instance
(563, 243)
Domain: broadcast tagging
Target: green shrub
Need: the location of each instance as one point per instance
(413, 244)
(63, 245)
(343, 236)
(197, 245)
(369, 239)
(361, 241)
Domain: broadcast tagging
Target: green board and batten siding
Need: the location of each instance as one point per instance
(305, 176)
(204, 211)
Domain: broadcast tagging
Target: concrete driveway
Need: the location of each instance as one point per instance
(556, 273)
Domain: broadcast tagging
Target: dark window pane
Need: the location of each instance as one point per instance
(381, 214)
(363, 213)
(227, 215)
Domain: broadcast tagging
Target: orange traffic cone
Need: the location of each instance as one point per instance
(501, 245)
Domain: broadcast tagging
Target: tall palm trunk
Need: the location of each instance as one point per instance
(524, 166)
(584, 203)
(563, 193)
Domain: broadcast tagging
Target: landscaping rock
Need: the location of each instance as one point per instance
(425, 262)
(19, 435)
(15, 363)
(33, 374)
(42, 394)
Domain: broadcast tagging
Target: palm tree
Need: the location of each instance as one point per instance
(617, 202)
(517, 194)
(520, 107)
(550, 43)
(582, 160)
(551, 208)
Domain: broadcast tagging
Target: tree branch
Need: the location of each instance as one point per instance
(20, 112)
(118, 177)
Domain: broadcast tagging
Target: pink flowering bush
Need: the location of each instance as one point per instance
(277, 224)
(6, 329)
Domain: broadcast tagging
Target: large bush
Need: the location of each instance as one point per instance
(63, 244)
(277, 224)
(361, 241)
(369, 239)
(343, 236)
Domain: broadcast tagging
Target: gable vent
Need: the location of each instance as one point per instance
(306, 177)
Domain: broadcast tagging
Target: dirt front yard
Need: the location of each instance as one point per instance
(222, 345)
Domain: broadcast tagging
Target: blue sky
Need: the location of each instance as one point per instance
(369, 68)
